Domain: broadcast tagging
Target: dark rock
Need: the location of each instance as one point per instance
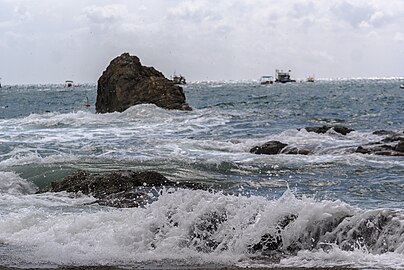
(295, 151)
(268, 148)
(117, 189)
(362, 150)
(337, 128)
(378, 231)
(273, 241)
(381, 149)
(400, 146)
(120, 188)
(126, 82)
(393, 138)
(383, 132)
(202, 233)
(342, 130)
(99, 185)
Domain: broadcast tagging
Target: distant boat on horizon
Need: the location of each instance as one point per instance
(283, 77)
(266, 80)
(310, 79)
(87, 104)
(68, 83)
(179, 79)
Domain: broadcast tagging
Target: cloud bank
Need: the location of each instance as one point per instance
(49, 41)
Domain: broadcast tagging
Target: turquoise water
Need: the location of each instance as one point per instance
(46, 133)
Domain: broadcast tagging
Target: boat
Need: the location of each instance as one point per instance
(68, 83)
(310, 79)
(87, 104)
(179, 79)
(0, 82)
(266, 80)
(283, 77)
(402, 86)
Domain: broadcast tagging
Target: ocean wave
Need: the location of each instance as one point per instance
(204, 227)
(11, 183)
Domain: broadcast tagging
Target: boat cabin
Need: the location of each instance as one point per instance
(68, 83)
(283, 77)
(179, 79)
(310, 79)
(267, 80)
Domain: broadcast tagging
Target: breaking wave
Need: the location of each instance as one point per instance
(200, 227)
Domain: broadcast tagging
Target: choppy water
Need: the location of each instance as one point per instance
(46, 133)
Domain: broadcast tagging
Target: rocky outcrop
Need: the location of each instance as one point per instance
(119, 188)
(392, 144)
(379, 231)
(126, 82)
(277, 147)
(268, 148)
(323, 129)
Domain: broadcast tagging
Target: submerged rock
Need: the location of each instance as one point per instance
(382, 149)
(118, 189)
(277, 147)
(126, 82)
(400, 146)
(268, 148)
(378, 231)
(390, 144)
(323, 129)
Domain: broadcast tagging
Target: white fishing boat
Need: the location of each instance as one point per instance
(179, 79)
(266, 80)
(283, 76)
(68, 83)
(310, 79)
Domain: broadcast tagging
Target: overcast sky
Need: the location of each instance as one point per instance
(48, 41)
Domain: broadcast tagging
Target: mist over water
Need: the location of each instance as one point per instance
(46, 133)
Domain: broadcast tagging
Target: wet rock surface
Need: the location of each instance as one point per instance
(269, 148)
(390, 144)
(126, 82)
(377, 231)
(120, 188)
(323, 129)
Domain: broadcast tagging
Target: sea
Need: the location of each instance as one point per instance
(331, 208)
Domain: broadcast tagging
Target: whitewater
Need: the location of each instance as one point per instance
(265, 210)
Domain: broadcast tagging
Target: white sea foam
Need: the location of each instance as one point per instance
(11, 183)
(179, 227)
(359, 258)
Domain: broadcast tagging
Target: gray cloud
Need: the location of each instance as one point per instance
(47, 41)
(352, 14)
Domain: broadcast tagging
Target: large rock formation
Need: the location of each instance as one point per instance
(126, 82)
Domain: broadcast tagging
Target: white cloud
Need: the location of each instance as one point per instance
(352, 14)
(399, 36)
(105, 14)
(203, 39)
(22, 12)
